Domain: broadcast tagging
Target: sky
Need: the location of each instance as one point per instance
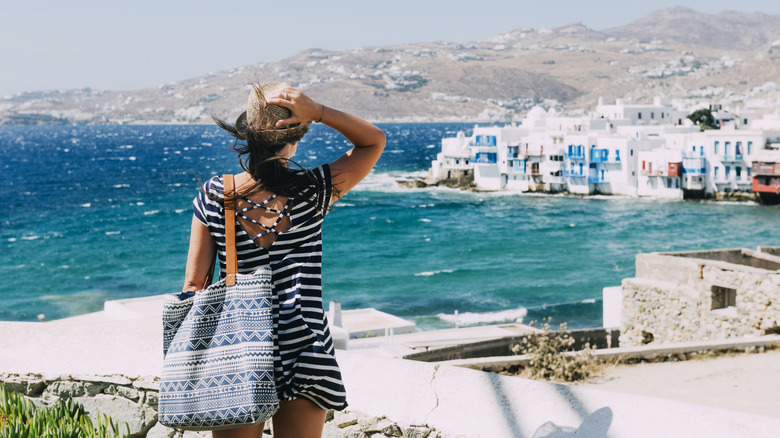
(127, 45)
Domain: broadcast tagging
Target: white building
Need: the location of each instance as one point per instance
(620, 149)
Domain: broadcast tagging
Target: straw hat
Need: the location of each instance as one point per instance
(260, 118)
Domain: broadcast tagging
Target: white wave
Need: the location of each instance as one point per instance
(589, 301)
(139, 203)
(429, 273)
(472, 318)
(87, 205)
(32, 237)
(131, 158)
(12, 239)
(121, 186)
(151, 212)
(178, 210)
(425, 220)
(112, 233)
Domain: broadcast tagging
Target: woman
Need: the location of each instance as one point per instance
(279, 212)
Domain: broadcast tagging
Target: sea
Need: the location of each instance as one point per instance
(96, 213)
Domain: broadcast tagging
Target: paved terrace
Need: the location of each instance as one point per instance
(125, 339)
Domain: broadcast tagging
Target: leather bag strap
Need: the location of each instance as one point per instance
(231, 260)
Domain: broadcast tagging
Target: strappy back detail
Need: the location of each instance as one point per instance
(264, 205)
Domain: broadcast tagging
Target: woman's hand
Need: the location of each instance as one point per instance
(302, 106)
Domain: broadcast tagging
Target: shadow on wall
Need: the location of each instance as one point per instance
(594, 425)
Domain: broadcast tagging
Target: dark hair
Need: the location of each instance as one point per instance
(258, 147)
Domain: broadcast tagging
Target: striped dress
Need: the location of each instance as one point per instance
(304, 361)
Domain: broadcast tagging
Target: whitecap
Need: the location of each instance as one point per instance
(151, 212)
(12, 239)
(32, 237)
(121, 186)
(131, 158)
(429, 273)
(588, 301)
(112, 233)
(425, 220)
(178, 210)
(139, 203)
(473, 318)
(87, 205)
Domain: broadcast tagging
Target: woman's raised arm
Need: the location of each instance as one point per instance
(368, 140)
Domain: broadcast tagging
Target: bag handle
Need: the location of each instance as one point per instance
(231, 260)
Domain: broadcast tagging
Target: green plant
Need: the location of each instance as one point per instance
(20, 418)
(548, 360)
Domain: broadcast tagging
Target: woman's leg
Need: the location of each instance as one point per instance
(298, 418)
(255, 431)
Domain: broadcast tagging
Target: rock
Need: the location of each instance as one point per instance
(416, 432)
(160, 431)
(138, 417)
(94, 388)
(128, 393)
(66, 389)
(116, 379)
(147, 382)
(152, 398)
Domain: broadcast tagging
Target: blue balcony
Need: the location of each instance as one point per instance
(484, 140)
(599, 155)
(573, 173)
(485, 158)
(732, 158)
(516, 166)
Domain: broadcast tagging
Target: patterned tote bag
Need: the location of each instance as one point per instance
(218, 348)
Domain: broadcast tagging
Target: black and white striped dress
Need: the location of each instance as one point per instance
(304, 361)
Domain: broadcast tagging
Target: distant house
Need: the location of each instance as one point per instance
(697, 295)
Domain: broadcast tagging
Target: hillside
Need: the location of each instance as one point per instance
(693, 58)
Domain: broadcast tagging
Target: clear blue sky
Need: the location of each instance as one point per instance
(125, 45)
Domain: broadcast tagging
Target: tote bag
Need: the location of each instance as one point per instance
(218, 348)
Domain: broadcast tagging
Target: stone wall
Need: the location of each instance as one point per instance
(133, 400)
(679, 299)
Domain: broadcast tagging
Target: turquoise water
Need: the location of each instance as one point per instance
(103, 212)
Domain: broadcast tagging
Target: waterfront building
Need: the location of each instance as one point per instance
(766, 176)
(453, 160)
(730, 154)
(660, 174)
(620, 149)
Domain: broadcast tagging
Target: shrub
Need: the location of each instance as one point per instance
(548, 360)
(20, 418)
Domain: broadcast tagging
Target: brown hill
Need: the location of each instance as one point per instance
(691, 57)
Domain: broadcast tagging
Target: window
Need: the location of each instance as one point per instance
(738, 171)
(723, 297)
(632, 152)
(640, 116)
(750, 147)
(717, 144)
(694, 148)
(716, 172)
(744, 121)
(602, 174)
(748, 172)
(728, 171)
(652, 115)
(662, 115)
(617, 155)
(726, 148)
